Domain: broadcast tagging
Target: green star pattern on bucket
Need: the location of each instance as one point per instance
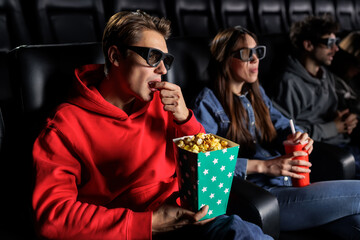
(205, 178)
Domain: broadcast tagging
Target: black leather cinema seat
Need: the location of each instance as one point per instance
(345, 14)
(153, 7)
(10, 214)
(194, 18)
(271, 16)
(298, 10)
(42, 76)
(13, 28)
(5, 89)
(236, 12)
(340, 163)
(255, 205)
(14, 32)
(277, 48)
(189, 69)
(2, 131)
(324, 7)
(69, 21)
(6, 229)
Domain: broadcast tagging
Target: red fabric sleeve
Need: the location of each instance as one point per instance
(58, 213)
(190, 127)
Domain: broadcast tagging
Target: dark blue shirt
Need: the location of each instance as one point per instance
(212, 116)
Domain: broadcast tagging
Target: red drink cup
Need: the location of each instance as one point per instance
(291, 147)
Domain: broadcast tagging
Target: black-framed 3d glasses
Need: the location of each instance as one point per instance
(247, 54)
(153, 56)
(329, 42)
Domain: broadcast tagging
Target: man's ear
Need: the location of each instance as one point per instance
(308, 45)
(114, 55)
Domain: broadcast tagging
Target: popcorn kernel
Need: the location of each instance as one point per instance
(202, 143)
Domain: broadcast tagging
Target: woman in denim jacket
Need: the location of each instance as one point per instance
(238, 109)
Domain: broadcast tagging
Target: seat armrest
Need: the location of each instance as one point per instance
(330, 162)
(256, 205)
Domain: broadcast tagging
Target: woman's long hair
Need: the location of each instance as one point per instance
(222, 47)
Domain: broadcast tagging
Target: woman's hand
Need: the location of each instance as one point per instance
(302, 138)
(286, 166)
(169, 216)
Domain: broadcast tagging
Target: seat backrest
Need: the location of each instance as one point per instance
(194, 18)
(324, 7)
(13, 29)
(69, 21)
(345, 15)
(5, 89)
(2, 130)
(189, 69)
(14, 32)
(271, 16)
(236, 12)
(153, 7)
(299, 9)
(278, 48)
(43, 74)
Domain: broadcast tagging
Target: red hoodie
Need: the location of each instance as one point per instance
(99, 172)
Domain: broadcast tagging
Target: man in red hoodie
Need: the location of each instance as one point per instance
(105, 164)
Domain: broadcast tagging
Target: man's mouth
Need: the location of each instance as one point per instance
(152, 86)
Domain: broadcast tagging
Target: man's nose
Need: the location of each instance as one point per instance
(161, 69)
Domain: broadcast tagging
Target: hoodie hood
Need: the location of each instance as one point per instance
(295, 67)
(88, 97)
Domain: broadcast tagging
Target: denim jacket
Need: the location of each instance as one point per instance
(212, 116)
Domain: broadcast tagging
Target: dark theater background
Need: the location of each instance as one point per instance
(42, 41)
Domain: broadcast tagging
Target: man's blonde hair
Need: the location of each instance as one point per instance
(126, 28)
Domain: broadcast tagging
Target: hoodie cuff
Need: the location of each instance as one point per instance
(329, 130)
(190, 126)
(140, 226)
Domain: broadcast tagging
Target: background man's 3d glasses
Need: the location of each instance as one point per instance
(329, 42)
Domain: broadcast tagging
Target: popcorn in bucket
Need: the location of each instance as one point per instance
(205, 169)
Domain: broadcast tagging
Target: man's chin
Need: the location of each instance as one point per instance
(147, 98)
(325, 62)
(328, 63)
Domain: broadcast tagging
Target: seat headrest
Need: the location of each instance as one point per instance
(13, 29)
(189, 69)
(42, 74)
(70, 21)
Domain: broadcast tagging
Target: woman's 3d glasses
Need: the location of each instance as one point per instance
(329, 42)
(247, 54)
(153, 56)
